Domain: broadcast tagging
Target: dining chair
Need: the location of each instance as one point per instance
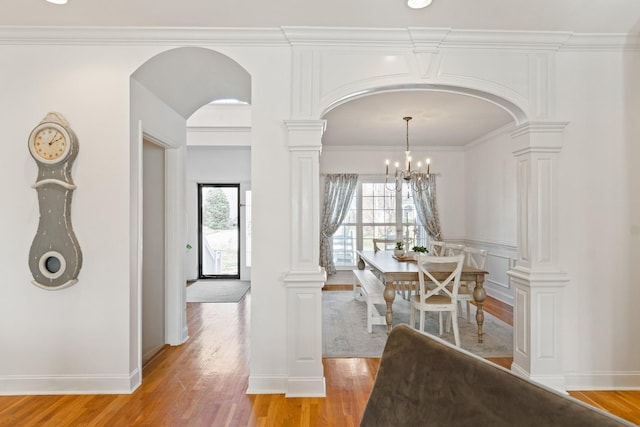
(454, 249)
(384, 242)
(437, 248)
(439, 298)
(476, 258)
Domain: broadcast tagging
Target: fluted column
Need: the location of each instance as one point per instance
(305, 278)
(537, 279)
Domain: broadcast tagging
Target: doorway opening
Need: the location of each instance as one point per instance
(219, 231)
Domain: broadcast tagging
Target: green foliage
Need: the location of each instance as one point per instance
(399, 245)
(420, 249)
(216, 210)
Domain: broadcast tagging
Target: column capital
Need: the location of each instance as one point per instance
(305, 134)
(538, 136)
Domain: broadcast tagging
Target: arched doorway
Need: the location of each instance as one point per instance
(165, 91)
(536, 278)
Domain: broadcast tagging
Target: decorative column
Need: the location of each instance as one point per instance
(304, 281)
(537, 279)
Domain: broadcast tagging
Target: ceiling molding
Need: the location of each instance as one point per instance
(503, 130)
(522, 40)
(334, 36)
(142, 36)
(602, 42)
(419, 39)
(219, 129)
(391, 148)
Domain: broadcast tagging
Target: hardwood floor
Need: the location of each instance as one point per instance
(203, 383)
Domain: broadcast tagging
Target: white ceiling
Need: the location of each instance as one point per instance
(440, 119)
(585, 16)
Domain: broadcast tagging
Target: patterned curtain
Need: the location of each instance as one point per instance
(338, 192)
(427, 208)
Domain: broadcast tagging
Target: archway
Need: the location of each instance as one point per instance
(165, 91)
(536, 277)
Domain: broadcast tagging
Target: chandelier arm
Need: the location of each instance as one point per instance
(414, 179)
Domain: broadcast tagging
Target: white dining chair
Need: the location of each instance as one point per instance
(442, 297)
(476, 258)
(437, 248)
(454, 249)
(384, 242)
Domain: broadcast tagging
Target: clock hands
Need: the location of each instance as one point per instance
(55, 138)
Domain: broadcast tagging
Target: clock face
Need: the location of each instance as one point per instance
(49, 143)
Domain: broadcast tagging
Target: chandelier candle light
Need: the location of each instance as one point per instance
(418, 180)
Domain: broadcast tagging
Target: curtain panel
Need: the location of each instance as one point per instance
(427, 207)
(338, 193)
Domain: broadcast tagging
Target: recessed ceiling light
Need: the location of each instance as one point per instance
(57, 1)
(418, 4)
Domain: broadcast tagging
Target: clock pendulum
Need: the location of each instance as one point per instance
(55, 257)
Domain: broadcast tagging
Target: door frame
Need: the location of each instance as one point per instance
(237, 186)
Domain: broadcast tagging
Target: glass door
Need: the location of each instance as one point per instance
(219, 231)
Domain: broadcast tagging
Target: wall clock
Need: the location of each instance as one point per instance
(55, 257)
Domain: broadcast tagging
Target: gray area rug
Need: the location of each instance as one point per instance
(344, 328)
(217, 290)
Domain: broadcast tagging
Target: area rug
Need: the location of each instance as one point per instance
(217, 290)
(344, 328)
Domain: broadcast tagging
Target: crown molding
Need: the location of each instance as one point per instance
(391, 148)
(418, 39)
(142, 36)
(496, 133)
(334, 36)
(219, 129)
(487, 39)
(602, 42)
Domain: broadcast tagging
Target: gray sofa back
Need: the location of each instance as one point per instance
(423, 381)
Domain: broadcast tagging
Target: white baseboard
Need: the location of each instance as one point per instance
(19, 385)
(554, 382)
(266, 384)
(306, 387)
(603, 381)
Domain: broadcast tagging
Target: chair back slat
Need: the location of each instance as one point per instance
(376, 248)
(454, 249)
(437, 248)
(476, 258)
(439, 286)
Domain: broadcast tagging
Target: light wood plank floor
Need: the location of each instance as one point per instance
(203, 383)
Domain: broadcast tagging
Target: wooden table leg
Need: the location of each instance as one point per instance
(389, 295)
(479, 295)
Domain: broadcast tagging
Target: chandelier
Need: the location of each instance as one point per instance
(418, 180)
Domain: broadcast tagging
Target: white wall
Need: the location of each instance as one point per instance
(83, 338)
(57, 334)
(213, 165)
(596, 230)
(490, 216)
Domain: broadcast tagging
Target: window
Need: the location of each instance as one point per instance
(376, 212)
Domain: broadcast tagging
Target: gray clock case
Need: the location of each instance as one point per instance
(55, 233)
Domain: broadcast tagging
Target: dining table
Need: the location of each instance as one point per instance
(395, 270)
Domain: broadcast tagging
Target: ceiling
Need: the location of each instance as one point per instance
(440, 119)
(586, 16)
